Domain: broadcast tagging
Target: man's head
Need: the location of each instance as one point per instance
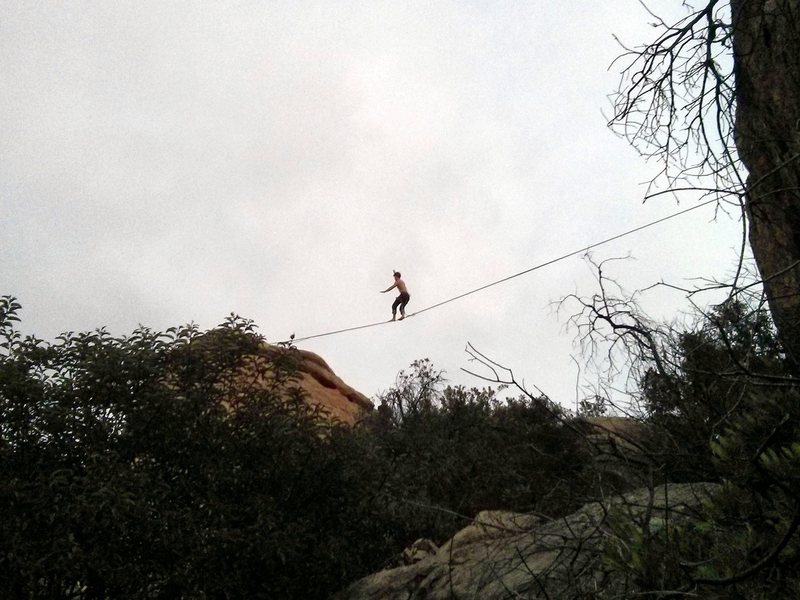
(397, 274)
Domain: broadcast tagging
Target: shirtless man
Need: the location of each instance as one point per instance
(402, 299)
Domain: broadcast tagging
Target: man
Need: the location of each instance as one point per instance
(402, 299)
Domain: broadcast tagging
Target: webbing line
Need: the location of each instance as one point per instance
(504, 279)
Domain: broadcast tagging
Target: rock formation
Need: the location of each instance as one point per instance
(257, 365)
(326, 390)
(509, 555)
(269, 365)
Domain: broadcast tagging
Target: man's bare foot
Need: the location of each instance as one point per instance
(401, 317)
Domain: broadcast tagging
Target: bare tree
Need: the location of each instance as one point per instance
(715, 94)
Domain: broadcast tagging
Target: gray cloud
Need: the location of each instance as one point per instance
(163, 162)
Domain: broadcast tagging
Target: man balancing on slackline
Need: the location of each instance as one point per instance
(402, 299)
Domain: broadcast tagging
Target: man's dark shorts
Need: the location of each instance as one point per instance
(401, 301)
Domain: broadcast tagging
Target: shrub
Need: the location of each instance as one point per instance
(147, 466)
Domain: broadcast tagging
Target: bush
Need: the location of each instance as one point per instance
(188, 464)
(730, 413)
(457, 451)
(150, 466)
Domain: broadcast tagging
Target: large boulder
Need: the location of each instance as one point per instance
(505, 555)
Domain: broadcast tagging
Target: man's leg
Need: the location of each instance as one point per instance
(405, 299)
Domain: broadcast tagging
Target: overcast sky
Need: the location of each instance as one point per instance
(164, 162)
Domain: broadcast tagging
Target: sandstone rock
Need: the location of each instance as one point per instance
(616, 445)
(619, 431)
(326, 390)
(507, 555)
(419, 550)
(266, 367)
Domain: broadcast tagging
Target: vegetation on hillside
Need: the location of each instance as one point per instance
(128, 473)
(718, 403)
(147, 467)
(144, 467)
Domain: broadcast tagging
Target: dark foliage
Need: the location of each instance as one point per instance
(730, 413)
(728, 364)
(152, 466)
(456, 451)
(188, 464)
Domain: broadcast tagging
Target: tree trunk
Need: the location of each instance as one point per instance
(766, 37)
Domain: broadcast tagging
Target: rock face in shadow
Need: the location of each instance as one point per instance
(505, 555)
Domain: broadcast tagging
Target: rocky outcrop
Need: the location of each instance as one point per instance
(419, 550)
(326, 390)
(624, 430)
(256, 365)
(508, 555)
(323, 389)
